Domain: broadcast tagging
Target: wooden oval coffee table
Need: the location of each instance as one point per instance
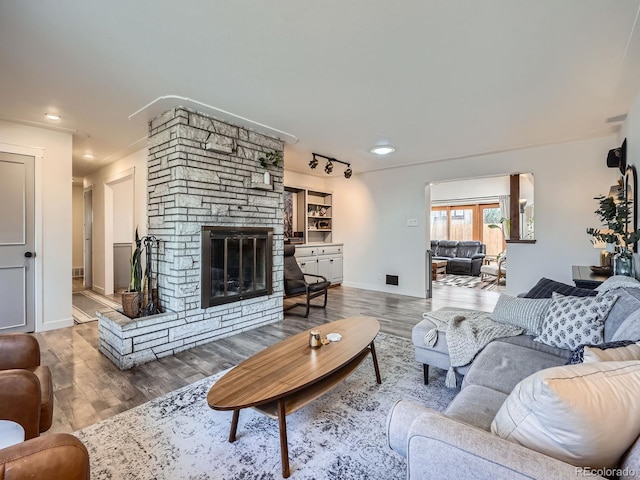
(285, 377)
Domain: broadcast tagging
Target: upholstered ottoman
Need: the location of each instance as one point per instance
(436, 355)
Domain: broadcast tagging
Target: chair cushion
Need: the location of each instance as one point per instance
(319, 287)
(579, 414)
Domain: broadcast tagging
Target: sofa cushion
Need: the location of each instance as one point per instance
(529, 342)
(501, 365)
(617, 281)
(527, 313)
(469, 248)
(628, 302)
(575, 413)
(476, 405)
(545, 287)
(629, 329)
(577, 356)
(571, 320)
(616, 354)
(447, 248)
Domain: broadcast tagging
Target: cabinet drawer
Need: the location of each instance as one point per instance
(306, 251)
(330, 250)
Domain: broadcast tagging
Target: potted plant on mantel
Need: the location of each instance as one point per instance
(614, 214)
(270, 158)
(132, 298)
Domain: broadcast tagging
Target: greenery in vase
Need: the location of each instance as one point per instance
(271, 158)
(615, 217)
(135, 282)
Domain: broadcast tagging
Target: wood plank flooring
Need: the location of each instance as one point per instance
(89, 388)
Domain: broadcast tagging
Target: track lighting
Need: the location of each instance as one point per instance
(328, 168)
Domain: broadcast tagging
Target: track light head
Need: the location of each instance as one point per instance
(328, 168)
(313, 163)
(348, 172)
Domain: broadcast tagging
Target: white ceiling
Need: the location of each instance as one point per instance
(437, 79)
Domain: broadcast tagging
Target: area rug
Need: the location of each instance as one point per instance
(465, 281)
(86, 303)
(340, 435)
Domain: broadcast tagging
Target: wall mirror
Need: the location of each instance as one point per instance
(631, 193)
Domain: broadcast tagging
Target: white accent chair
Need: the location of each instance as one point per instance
(498, 270)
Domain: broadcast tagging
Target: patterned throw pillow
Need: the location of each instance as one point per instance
(577, 356)
(571, 321)
(527, 313)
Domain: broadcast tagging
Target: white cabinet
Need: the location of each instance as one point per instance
(325, 260)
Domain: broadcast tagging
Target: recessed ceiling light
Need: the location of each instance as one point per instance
(383, 150)
(88, 156)
(54, 117)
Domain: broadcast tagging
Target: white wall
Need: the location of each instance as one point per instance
(77, 233)
(123, 204)
(480, 188)
(53, 217)
(371, 212)
(631, 131)
(102, 183)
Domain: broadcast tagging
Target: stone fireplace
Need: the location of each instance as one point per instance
(204, 175)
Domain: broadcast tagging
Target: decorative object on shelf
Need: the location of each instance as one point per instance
(322, 211)
(271, 158)
(599, 270)
(617, 214)
(328, 168)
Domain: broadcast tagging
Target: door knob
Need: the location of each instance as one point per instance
(29, 254)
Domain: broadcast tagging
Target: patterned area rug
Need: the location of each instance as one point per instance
(466, 281)
(86, 303)
(340, 435)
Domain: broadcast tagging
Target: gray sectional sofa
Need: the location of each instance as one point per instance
(458, 443)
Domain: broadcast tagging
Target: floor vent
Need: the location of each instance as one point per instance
(392, 279)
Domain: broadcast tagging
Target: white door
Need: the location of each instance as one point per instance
(88, 228)
(17, 262)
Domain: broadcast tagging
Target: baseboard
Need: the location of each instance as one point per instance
(98, 289)
(67, 322)
(385, 289)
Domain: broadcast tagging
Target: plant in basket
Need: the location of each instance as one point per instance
(132, 298)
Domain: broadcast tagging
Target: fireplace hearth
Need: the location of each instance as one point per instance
(236, 264)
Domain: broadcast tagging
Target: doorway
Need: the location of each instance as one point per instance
(17, 243)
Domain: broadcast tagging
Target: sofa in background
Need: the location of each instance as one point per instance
(459, 443)
(463, 258)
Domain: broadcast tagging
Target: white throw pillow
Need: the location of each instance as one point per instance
(571, 321)
(619, 354)
(585, 414)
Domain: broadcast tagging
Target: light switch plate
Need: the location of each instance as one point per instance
(412, 222)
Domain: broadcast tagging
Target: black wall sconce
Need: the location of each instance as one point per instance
(617, 157)
(328, 168)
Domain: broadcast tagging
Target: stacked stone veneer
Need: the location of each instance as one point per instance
(201, 171)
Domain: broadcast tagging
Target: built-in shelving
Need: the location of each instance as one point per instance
(308, 216)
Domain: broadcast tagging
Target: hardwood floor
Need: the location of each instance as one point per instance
(89, 388)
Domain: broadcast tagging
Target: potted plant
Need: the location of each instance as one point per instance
(270, 158)
(614, 213)
(132, 297)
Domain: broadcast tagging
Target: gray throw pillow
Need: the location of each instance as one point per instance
(527, 313)
(571, 321)
(629, 329)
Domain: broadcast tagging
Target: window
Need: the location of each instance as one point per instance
(469, 222)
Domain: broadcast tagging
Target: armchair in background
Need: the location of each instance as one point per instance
(26, 388)
(295, 282)
(58, 456)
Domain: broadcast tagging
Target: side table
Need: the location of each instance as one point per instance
(438, 269)
(583, 277)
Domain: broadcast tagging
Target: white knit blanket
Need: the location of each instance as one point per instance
(468, 332)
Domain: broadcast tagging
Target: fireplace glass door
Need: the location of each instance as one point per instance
(237, 264)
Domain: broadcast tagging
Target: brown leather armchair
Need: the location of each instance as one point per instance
(26, 389)
(57, 456)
